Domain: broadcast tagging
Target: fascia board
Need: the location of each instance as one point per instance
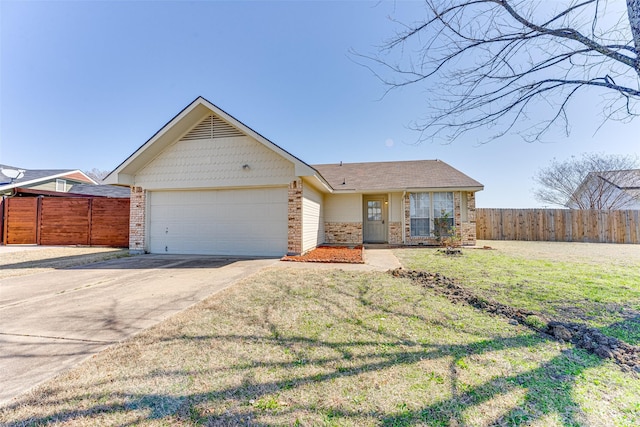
(319, 183)
(435, 189)
(119, 179)
(154, 145)
(409, 189)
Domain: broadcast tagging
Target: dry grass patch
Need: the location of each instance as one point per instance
(291, 347)
(40, 260)
(608, 254)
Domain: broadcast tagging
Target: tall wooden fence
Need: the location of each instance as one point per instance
(66, 221)
(559, 225)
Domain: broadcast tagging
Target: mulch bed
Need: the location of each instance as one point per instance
(340, 254)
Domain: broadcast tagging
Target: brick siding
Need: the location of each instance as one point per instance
(343, 232)
(469, 228)
(137, 220)
(395, 233)
(294, 218)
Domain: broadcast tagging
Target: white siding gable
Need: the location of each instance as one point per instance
(343, 208)
(396, 207)
(215, 159)
(312, 218)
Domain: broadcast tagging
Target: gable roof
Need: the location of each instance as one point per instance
(396, 176)
(179, 126)
(35, 176)
(623, 179)
(627, 181)
(375, 176)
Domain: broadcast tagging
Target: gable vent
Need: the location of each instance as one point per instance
(212, 127)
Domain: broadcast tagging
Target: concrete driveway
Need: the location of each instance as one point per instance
(51, 321)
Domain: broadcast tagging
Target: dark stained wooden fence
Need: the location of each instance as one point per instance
(22, 214)
(66, 221)
(558, 225)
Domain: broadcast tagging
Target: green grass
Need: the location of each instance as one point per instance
(601, 295)
(335, 348)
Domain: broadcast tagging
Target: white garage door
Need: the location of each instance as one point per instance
(219, 222)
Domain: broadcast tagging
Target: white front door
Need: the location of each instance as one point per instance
(375, 219)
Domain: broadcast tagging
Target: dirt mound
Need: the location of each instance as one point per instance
(626, 355)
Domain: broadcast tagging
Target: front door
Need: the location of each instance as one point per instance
(375, 219)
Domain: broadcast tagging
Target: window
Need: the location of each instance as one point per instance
(425, 206)
(374, 210)
(443, 213)
(420, 210)
(61, 185)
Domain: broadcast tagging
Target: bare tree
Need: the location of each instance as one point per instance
(591, 181)
(498, 62)
(97, 174)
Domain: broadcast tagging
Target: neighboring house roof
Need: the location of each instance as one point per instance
(403, 175)
(101, 190)
(79, 190)
(599, 185)
(623, 179)
(626, 180)
(35, 176)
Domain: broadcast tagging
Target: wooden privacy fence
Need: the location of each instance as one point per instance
(66, 221)
(559, 225)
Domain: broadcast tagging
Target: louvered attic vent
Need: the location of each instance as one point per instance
(212, 127)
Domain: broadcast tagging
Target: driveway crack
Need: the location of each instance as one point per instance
(58, 338)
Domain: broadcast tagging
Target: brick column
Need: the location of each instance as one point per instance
(406, 204)
(294, 217)
(457, 215)
(137, 220)
(469, 229)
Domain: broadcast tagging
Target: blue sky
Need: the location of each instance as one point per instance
(85, 83)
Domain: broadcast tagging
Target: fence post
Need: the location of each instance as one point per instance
(38, 219)
(89, 225)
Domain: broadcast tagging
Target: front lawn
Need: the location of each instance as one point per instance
(602, 292)
(335, 348)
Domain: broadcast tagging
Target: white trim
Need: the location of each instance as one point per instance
(410, 190)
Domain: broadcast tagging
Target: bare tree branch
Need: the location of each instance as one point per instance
(97, 174)
(497, 61)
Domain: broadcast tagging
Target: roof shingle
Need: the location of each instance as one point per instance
(403, 175)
